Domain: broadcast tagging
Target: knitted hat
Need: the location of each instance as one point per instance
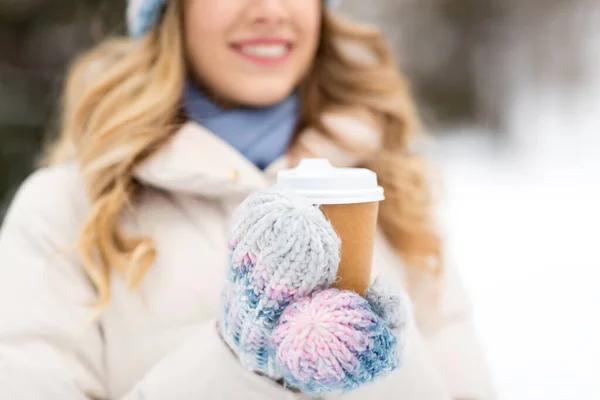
(143, 15)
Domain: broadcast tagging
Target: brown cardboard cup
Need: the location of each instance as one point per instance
(356, 225)
(349, 198)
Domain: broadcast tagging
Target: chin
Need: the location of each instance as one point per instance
(263, 95)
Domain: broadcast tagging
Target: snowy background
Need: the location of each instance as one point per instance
(523, 223)
(526, 236)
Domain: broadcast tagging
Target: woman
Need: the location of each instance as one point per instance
(163, 135)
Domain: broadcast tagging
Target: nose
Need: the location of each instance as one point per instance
(269, 12)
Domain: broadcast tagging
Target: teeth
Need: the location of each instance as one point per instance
(268, 51)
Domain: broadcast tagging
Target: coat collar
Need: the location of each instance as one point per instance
(197, 162)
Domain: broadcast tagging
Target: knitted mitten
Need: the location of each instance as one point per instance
(336, 341)
(282, 249)
(279, 316)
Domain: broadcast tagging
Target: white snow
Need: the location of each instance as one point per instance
(523, 223)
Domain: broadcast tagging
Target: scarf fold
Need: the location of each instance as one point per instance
(261, 134)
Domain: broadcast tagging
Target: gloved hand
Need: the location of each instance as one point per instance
(280, 317)
(282, 249)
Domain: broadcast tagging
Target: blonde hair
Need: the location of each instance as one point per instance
(122, 102)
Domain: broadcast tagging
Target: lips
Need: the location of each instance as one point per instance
(264, 51)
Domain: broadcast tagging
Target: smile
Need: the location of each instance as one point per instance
(269, 52)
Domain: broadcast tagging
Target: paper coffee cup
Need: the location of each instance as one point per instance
(349, 198)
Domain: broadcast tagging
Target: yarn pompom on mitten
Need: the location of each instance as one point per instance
(390, 303)
(393, 306)
(282, 249)
(333, 341)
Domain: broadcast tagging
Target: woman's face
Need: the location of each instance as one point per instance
(251, 52)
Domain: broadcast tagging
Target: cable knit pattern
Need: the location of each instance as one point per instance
(143, 15)
(282, 249)
(333, 341)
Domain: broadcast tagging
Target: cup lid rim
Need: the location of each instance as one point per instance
(322, 183)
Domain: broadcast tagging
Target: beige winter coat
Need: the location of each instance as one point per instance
(161, 343)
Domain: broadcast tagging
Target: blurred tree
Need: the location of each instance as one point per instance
(38, 38)
(434, 40)
(536, 46)
(469, 60)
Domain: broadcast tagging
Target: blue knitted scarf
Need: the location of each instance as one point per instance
(261, 134)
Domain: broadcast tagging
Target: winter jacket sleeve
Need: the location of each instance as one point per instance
(450, 334)
(205, 368)
(50, 348)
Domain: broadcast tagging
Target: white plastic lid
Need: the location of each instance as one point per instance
(320, 182)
